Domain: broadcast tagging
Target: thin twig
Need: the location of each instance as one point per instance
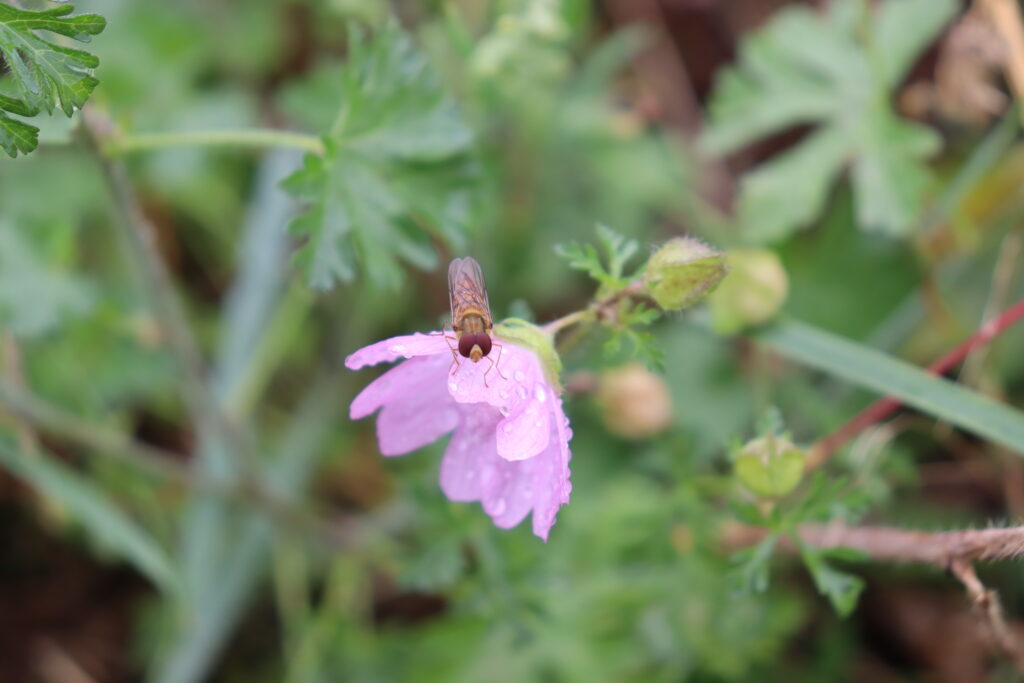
(1005, 17)
(986, 603)
(595, 310)
(955, 551)
(884, 407)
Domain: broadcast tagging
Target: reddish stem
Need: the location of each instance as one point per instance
(884, 407)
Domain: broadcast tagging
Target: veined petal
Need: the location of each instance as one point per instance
(389, 386)
(527, 430)
(469, 461)
(514, 383)
(405, 346)
(421, 411)
(551, 474)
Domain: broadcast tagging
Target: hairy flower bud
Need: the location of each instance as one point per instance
(753, 293)
(770, 466)
(635, 403)
(682, 272)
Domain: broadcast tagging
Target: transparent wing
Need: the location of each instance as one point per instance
(467, 291)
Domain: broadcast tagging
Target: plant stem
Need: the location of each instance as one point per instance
(884, 407)
(594, 309)
(126, 143)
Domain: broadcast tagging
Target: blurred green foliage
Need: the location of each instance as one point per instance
(498, 129)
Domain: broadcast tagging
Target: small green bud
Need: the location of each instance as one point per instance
(770, 466)
(754, 293)
(522, 333)
(682, 272)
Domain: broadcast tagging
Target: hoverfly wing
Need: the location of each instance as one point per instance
(467, 291)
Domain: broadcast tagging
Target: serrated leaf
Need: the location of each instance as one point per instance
(396, 169)
(35, 298)
(88, 506)
(842, 589)
(753, 567)
(825, 69)
(43, 74)
(17, 136)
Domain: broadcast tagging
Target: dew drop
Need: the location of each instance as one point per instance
(537, 424)
(397, 348)
(539, 393)
(503, 410)
(499, 506)
(453, 386)
(518, 374)
(521, 392)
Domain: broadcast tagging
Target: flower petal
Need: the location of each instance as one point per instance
(515, 384)
(420, 411)
(527, 430)
(405, 346)
(469, 461)
(551, 475)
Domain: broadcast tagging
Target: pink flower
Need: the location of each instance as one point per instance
(510, 450)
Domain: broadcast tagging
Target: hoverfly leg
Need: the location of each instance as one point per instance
(455, 354)
(500, 347)
(494, 365)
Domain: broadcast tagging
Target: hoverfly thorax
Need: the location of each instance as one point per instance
(471, 311)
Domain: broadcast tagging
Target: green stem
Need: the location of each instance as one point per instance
(126, 143)
(559, 324)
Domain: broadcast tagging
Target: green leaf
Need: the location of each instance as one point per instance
(41, 73)
(753, 567)
(396, 169)
(842, 589)
(889, 376)
(903, 29)
(93, 510)
(35, 298)
(17, 136)
(618, 250)
(825, 69)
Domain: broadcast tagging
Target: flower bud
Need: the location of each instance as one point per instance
(754, 293)
(635, 403)
(770, 466)
(682, 272)
(529, 336)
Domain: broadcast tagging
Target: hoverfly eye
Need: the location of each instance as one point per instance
(466, 343)
(484, 340)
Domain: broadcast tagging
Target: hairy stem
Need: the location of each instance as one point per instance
(594, 309)
(884, 407)
(127, 143)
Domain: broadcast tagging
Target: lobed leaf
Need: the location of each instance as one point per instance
(42, 73)
(396, 169)
(826, 70)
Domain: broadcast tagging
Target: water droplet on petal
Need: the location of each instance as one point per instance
(503, 410)
(537, 424)
(521, 392)
(397, 348)
(539, 393)
(452, 386)
(499, 506)
(519, 375)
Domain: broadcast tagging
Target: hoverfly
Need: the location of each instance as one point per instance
(471, 313)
